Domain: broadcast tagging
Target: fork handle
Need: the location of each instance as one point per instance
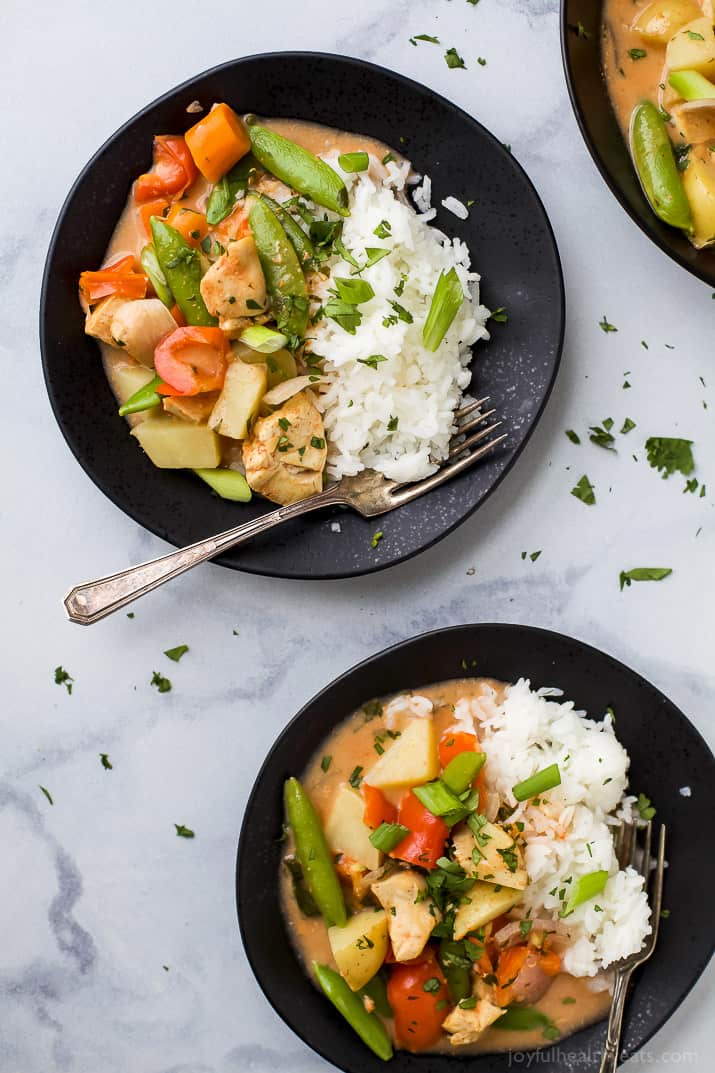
(94, 600)
(609, 1061)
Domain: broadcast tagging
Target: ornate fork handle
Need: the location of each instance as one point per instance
(94, 600)
(609, 1061)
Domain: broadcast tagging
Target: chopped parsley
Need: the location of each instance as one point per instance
(579, 30)
(627, 426)
(525, 927)
(392, 424)
(347, 315)
(183, 832)
(402, 313)
(638, 53)
(383, 229)
(535, 555)
(424, 37)
(670, 455)
(63, 678)
(481, 61)
(373, 361)
(326, 762)
(643, 573)
(584, 491)
(432, 985)
(606, 326)
(364, 943)
(453, 59)
(175, 654)
(372, 710)
(47, 794)
(284, 423)
(694, 36)
(162, 684)
(645, 809)
(376, 538)
(602, 435)
(105, 761)
(318, 442)
(573, 436)
(499, 316)
(355, 779)
(388, 157)
(374, 254)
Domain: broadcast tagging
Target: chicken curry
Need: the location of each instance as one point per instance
(659, 65)
(202, 307)
(400, 884)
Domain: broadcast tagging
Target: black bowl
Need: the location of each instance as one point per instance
(507, 230)
(597, 120)
(666, 753)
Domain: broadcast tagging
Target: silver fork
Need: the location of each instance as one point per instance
(369, 493)
(628, 852)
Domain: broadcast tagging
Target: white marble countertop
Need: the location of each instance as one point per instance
(120, 949)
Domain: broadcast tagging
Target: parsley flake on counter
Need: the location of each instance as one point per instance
(670, 454)
(162, 684)
(377, 537)
(573, 436)
(453, 59)
(645, 809)
(47, 794)
(481, 61)
(584, 491)
(606, 326)
(602, 435)
(627, 426)
(105, 761)
(535, 555)
(175, 654)
(625, 384)
(62, 678)
(424, 37)
(643, 573)
(183, 832)
(691, 485)
(130, 614)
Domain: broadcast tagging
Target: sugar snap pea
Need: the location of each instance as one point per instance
(369, 1028)
(300, 242)
(181, 265)
(313, 855)
(226, 191)
(146, 398)
(285, 281)
(298, 168)
(150, 264)
(456, 968)
(655, 164)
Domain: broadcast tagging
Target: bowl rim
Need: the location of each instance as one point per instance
(45, 343)
(455, 631)
(703, 274)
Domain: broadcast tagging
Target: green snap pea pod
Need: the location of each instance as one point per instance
(456, 968)
(656, 167)
(300, 242)
(285, 281)
(146, 398)
(298, 168)
(313, 855)
(181, 265)
(376, 989)
(222, 198)
(150, 264)
(369, 1028)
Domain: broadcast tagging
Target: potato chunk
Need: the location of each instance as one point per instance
(659, 21)
(411, 912)
(483, 903)
(692, 48)
(360, 947)
(346, 831)
(235, 286)
(174, 444)
(139, 325)
(499, 859)
(699, 184)
(243, 389)
(410, 761)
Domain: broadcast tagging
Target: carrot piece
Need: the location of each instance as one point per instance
(178, 316)
(454, 743)
(189, 223)
(173, 171)
(152, 208)
(217, 142)
(118, 278)
(418, 996)
(511, 962)
(377, 808)
(191, 360)
(550, 962)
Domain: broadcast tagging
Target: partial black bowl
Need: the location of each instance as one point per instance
(589, 96)
(507, 231)
(666, 752)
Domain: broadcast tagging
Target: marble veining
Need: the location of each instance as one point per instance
(120, 948)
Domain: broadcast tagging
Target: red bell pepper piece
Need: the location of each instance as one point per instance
(173, 171)
(191, 360)
(419, 999)
(424, 845)
(377, 808)
(118, 278)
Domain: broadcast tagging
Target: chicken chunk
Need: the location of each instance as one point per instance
(194, 408)
(98, 322)
(466, 1026)
(285, 453)
(411, 913)
(139, 325)
(235, 286)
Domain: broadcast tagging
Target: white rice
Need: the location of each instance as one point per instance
(455, 206)
(569, 832)
(414, 391)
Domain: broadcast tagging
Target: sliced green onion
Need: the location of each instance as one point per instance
(539, 783)
(150, 264)
(388, 835)
(354, 291)
(227, 483)
(440, 801)
(692, 86)
(359, 161)
(446, 300)
(584, 889)
(263, 340)
(461, 772)
(146, 398)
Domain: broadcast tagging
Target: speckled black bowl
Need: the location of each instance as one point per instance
(597, 120)
(511, 242)
(666, 752)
